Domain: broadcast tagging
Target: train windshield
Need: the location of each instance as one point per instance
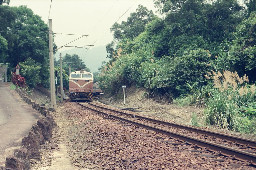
(87, 76)
(75, 75)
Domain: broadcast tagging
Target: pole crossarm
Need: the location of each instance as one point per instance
(72, 41)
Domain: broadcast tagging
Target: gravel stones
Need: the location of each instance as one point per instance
(95, 142)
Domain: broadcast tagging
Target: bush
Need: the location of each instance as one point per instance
(245, 125)
(31, 71)
(178, 74)
(231, 104)
(220, 110)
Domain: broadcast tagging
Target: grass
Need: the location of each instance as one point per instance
(182, 101)
(194, 120)
(12, 87)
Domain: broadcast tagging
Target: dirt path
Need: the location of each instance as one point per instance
(55, 154)
(16, 119)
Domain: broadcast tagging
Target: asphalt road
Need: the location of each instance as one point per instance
(16, 119)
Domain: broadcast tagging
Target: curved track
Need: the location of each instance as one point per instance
(228, 145)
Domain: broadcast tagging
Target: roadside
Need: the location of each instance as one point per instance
(16, 120)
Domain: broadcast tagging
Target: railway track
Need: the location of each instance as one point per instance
(238, 148)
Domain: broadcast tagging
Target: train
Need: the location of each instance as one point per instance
(82, 87)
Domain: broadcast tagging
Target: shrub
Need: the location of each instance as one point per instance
(31, 71)
(231, 102)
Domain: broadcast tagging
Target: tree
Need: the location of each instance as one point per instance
(27, 37)
(174, 52)
(3, 49)
(129, 30)
(241, 55)
(251, 6)
(4, 1)
(110, 50)
(134, 25)
(7, 19)
(74, 62)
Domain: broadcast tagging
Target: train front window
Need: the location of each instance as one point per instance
(87, 76)
(75, 75)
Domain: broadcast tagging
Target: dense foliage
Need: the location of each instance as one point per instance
(232, 103)
(174, 52)
(26, 37)
(3, 49)
(24, 40)
(31, 71)
(171, 54)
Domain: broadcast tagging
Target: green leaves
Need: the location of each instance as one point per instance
(27, 38)
(74, 62)
(3, 49)
(231, 103)
(173, 53)
(31, 71)
(241, 54)
(134, 25)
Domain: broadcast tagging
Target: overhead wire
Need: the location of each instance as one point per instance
(100, 20)
(127, 10)
(86, 50)
(93, 28)
(70, 34)
(105, 14)
(120, 17)
(88, 47)
(72, 41)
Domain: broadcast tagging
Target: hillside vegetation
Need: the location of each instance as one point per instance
(24, 41)
(203, 52)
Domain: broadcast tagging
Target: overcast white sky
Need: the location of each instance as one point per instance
(92, 17)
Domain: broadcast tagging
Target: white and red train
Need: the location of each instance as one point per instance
(81, 86)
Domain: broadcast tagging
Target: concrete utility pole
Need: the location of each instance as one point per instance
(61, 80)
(124, 92)
(69, 70)
(5, 73)
(52, 87)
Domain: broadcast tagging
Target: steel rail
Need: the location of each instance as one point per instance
(241, 155)
(223, 149)
(193, 129)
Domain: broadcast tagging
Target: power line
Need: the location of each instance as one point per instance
(70, 34)
(105, 14)
(86, 46)
(121, 16)
(126, 11)
(87, 49)
(72, 41)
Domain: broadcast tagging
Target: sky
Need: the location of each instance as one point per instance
(83, 17)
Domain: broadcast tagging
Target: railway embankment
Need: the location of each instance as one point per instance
(38, 135)
(84, 139)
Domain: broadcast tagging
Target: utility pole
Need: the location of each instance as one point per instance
(124, 92)
(5, 73)
(69, 70)
(52, 87)
(61, 80)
